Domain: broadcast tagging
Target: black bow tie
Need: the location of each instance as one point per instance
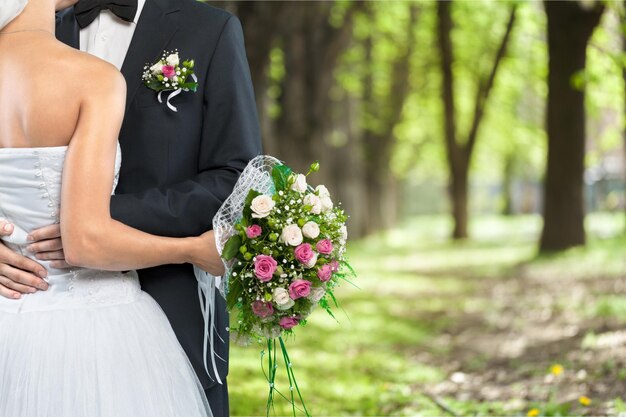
(87, 10)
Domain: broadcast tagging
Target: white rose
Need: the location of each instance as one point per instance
(292, 235)
(311, 230)
(315, 203)
(316, 294)
(261, 206)
(156, 68)
(322, 191)
(327, 204)
(312, 262)
(299, 184)
(173, 60)
(282, 299)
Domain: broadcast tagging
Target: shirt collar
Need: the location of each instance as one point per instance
(140, 4)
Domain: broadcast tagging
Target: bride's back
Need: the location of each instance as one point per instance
(42, 85)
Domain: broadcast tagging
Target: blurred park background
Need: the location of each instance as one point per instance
(479, 148)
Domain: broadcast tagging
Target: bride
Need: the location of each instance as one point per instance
(94, 344)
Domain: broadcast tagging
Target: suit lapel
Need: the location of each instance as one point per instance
(154, 30)
(67, 30)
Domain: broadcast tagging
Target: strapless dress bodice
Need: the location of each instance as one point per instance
(30, 197)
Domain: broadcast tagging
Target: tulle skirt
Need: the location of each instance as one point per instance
(118, 360)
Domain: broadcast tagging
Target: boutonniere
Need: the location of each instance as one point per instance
(170, 74)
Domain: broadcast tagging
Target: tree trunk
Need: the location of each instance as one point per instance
(459, 193)
(311, 47)
(570, 26)
(349, 183)
(507, 184)
(459, 153)
(259, 21)
(381, 184)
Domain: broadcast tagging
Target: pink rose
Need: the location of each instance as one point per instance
(299, 288)
(288, 322)
(325, 272)
(304, 253)
(334, 265)
(262, 309)
(168, 71)
(324, 246)
(264, 267)
(253, 231)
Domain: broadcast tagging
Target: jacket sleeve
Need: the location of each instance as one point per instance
(230, 138)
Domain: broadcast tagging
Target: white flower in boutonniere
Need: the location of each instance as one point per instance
(173, 60)
(156, 68)
(168, 74)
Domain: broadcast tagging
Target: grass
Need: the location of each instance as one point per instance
(471, 325)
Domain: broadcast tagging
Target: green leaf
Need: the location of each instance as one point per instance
(235, 288)
(154, 84)
(244, 221)
(280, 175)
(247, 211)
(231, 248)
(330, 293)
(252, 194)
(347, 265)
(191, 86)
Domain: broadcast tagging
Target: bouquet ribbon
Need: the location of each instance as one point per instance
(207, 285)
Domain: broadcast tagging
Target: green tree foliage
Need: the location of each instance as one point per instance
(510, 134)
(330, 86)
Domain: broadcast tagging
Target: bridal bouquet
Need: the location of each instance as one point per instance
(285, 255)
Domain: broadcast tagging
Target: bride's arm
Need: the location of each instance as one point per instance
(91, 238)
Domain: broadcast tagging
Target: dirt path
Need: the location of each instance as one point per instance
(508, 332)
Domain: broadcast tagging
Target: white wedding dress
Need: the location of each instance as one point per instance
(93, 344)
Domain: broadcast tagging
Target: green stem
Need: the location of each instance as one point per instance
(288, 366)
(268, 378)
(271, 359)
(292, 376)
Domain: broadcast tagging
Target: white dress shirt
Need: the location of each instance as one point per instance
(108, 37)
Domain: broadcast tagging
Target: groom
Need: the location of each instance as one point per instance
(177, 167)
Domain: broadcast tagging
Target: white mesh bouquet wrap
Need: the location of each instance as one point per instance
(9, 10)
(256, 176)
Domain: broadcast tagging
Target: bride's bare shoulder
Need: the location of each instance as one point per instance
(91, 73)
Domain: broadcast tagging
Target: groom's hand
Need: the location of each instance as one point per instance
(18, 274)
(48, 246)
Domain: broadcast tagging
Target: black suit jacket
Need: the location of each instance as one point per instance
(178, 167)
